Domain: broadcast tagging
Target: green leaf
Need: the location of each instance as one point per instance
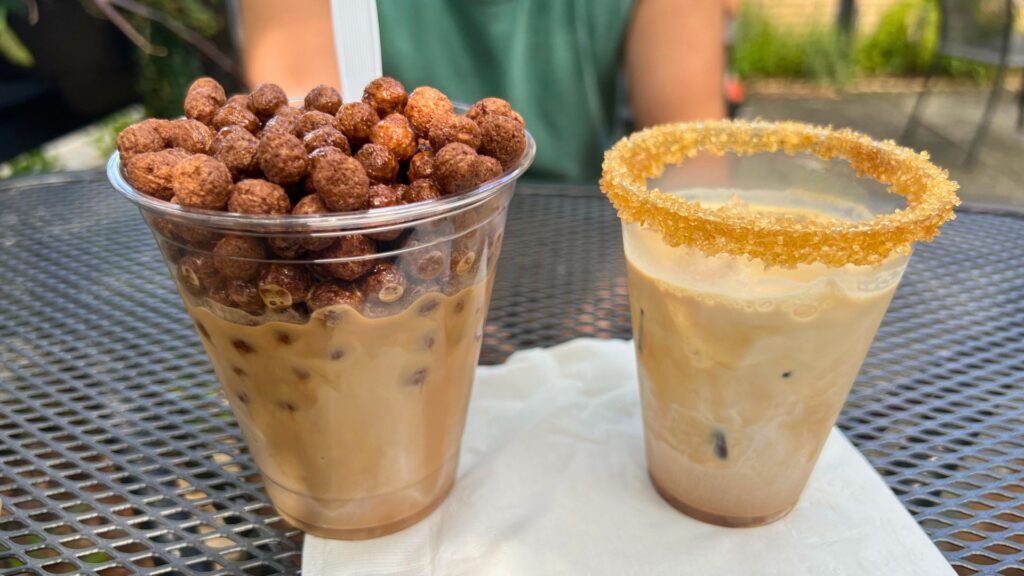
(764, 49)
(31, 162)
(11, 46)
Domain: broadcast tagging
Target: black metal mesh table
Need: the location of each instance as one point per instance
(119, 456)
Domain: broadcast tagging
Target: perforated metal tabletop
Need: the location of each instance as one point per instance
(119, 456)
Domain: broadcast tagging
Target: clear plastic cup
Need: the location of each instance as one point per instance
(353, 411)
(745, 361)
(743, 371)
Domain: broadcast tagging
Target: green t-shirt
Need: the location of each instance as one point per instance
(556, 61)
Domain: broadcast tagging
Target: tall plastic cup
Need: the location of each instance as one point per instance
(352, 398)
(757, 283)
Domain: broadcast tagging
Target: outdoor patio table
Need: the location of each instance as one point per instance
(118, 454)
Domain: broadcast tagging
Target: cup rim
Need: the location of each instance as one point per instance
(778, 240)
(371, 218)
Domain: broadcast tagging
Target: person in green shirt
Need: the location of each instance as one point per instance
(558, 62)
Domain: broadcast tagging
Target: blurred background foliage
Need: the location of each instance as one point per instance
(165, 75)
(170, 43)
(11, 46)
(174, 41)
(764, 49)
(903, 43)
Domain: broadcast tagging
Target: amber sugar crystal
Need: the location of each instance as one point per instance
(778, 239)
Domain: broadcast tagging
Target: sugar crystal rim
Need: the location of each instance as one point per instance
(778, 239)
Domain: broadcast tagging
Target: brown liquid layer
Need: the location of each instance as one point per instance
(355, 422)
(739, 394)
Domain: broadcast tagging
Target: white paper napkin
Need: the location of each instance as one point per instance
(553, 481)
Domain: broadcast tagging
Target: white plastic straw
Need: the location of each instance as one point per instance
(357, 44)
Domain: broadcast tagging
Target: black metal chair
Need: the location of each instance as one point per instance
(982, 31)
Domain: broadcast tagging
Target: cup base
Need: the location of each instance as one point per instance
(372, 531)
(370, 517)
(717, 519)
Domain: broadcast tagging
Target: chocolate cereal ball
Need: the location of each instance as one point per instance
(282, 285)
(150, 172)
(386, 95)
(197, 272)
(239, 101)
(194, 236)
(166, 128)
(286, 247)
(236, 148)
(384, 284)
(493, 106)
(464, 260)
(399, 189)
(488, 169)
(139, 138)
(453, 128)
(349, 247)
(265, 99)
(220, 295)
(205, 96)
(282, 157)
(256, 196)
(323, 98)
(382, 195)
(326, 136)
(426, 104)
(455, 168)
(334, 293)
(201, 182)
(313, 119)
(238, 257)
(425, 261)
(356, 121)
(207, 84)
(421, 165)
(235, 116)
(395, 133)
(286, 120)
(502, 138)
(380, 164)
(421, 190)
(246, 296)
(340, 180)
(189, 135)
(311, 205)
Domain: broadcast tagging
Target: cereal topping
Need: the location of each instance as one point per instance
(266, 159)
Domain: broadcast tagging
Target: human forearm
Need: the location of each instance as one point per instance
(290, 44)
(674, 60)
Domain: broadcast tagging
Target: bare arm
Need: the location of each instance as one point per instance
(292, 47)
(674, 60)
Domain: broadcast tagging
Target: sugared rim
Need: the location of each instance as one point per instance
(778, 239)
(359, 220)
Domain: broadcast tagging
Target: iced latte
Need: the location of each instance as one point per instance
(336, 260)
(751, 320)
(354, 421)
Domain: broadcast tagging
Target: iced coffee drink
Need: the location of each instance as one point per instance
(751, 320)
(741, 383)
(337, 261)
(354, 421)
